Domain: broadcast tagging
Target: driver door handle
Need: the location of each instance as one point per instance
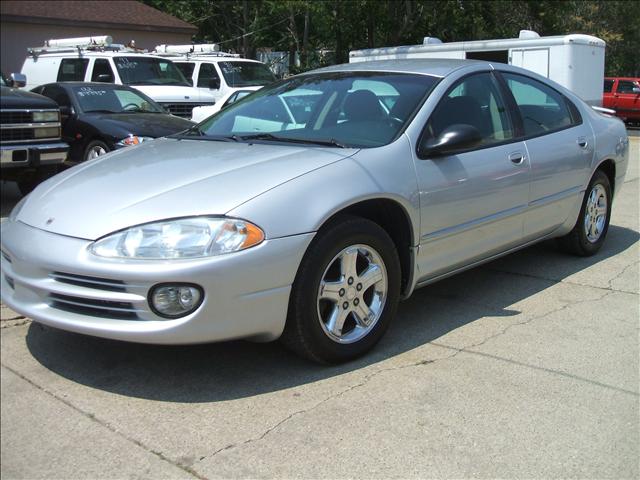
(582, 142)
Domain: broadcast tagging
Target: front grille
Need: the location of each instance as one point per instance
(90, 282)
(93, 307)
(16, 134)
(182, 109)
(16, 117)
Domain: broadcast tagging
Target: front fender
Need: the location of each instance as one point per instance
(305, 203)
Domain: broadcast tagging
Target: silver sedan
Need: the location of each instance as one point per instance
(307, 210)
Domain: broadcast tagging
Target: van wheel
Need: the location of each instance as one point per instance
(592, 225)
(345, 293)
(95, 149)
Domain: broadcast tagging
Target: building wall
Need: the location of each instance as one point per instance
(15, 38)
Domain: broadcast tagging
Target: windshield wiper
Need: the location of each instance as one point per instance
(197, 131)
(269, 136)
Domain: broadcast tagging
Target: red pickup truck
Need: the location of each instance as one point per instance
(622, 94)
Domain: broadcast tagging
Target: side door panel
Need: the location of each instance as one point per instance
(471, 203)
(559, 147)
(472, 207)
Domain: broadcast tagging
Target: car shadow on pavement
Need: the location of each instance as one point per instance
(224, 371)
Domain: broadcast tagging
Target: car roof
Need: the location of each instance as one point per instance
(90, 84)
(438, 67)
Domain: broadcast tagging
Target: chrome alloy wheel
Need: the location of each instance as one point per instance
(95, 152)
(352, 293)
(595, 213)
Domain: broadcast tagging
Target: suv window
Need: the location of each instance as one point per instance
(626, 86)
(475, 100)
(542, 108)
(102, 71)
(72, 69)
(608, 86)
(206, 75)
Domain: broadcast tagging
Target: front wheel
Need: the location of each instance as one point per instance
(345, 293)
(592, 225)
(95, 149)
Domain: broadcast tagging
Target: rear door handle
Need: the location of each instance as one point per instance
(582, 142)
(516, 157)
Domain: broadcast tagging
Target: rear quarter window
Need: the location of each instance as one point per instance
(72, 69)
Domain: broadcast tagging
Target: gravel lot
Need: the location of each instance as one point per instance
(525, 367)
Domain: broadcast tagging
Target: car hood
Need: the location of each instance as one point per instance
(142, 124)
(175, 94)
(21, 99)
(165, 178)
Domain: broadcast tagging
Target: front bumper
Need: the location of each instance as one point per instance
(33, 155)
(54, 280)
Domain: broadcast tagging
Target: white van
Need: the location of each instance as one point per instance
(95, 59)
(216, 73)
(574, 61)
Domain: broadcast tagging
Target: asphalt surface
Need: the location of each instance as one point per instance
(525, 367)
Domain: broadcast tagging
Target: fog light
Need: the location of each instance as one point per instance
(174, 301)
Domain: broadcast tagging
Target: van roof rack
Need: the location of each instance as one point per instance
(195, 49)
(93, 44)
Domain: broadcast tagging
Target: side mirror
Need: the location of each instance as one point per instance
(105, 78)
(452, 139)
(636, 90)
(214, 83)
(18, 80)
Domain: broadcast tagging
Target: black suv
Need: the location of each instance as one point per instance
(29, 135)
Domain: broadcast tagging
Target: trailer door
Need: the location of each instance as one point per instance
(536, 60)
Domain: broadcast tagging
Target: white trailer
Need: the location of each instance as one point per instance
(574, 61)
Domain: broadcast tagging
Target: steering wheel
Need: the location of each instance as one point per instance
(395, 121)
(130, 107)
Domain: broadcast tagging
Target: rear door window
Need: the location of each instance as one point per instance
(608, 86)
(542, 108)
(72, 69)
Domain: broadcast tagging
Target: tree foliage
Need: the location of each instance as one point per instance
(337, 26)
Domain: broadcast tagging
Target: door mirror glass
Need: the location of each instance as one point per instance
(636, 89)
(454, 138)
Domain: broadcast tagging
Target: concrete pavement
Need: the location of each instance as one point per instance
(525, 367)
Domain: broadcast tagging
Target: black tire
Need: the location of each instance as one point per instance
(31, 180)
(577, 241)
(304, 332)
(94, 144)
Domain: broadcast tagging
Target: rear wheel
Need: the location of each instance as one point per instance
(592, 225)
(345, 293)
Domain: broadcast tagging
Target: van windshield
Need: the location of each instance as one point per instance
(246, 74)
(149, 71)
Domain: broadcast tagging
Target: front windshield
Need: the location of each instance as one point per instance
(246, 74)
(351, 109)
(114, 100)
(149, 71)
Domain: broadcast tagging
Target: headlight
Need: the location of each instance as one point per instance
(182, 238)
(133, 140)
(46, 132)
(39, 117)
